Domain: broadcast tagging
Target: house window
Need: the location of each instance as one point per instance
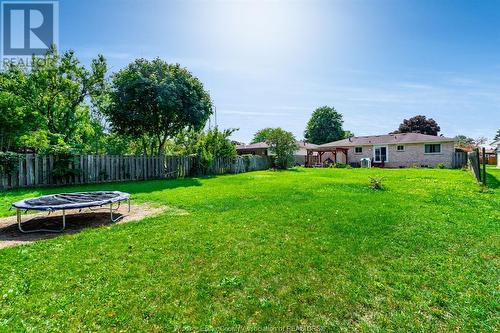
(358, 150)
(401, 148)
(380, 154)
(432, 148)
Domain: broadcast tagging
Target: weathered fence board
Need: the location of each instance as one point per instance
(474, 164)
(39, 170)
(459, 160)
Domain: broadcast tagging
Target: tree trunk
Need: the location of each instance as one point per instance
(161, 145)
(144, 146)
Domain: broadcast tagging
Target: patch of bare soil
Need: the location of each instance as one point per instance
(75, 222)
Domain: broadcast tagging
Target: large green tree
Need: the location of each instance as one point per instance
(325, 126)
(51, 101)
(13, 120)
(154, 101)
(419, 124)
(282, 145)
(497, 136)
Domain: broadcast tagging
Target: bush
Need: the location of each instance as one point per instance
(246, 161)
(376, 183)
(328, 164)
(340, 166)
(440, 166)
(206, 146)
(9, 162)
(205, 160)
(66, 163)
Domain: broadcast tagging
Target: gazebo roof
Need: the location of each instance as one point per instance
(324, 149)
(320, 150)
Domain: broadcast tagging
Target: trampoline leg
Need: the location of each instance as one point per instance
(19, 220)
(64, 220)
(111, 214)
(129, 205)
(19, 224)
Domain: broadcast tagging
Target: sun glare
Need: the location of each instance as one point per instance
(258, 29)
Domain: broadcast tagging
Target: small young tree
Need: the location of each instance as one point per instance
(283, 145)
(480, 141)
(464, 141)
(206, 146)
(348, 134)
(262, 135)
(216, 142)
(419, 124)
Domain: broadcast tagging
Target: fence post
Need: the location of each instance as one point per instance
(478, 165)
(484, 166)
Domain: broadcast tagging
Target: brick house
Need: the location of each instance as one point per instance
(496, 145)
(262, 149)
(391, 150)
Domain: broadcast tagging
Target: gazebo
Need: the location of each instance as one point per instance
(310, 158)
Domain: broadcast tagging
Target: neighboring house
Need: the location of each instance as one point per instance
(259, 148)
(392, 150)
(496, 145)
(262, 149)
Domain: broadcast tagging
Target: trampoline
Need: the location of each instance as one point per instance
(67, 201)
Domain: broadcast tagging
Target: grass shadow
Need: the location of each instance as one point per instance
(294, 169)
(74, 224)
(492, 181)
(133, 187)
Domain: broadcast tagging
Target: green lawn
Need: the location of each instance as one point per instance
(301, 247)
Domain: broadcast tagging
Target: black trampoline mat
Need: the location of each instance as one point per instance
(71, 198)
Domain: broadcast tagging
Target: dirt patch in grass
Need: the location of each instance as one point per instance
(75, 222)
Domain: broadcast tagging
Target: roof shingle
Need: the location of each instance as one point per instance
(387, 139)
(263, 145)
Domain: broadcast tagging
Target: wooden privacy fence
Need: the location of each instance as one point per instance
(239, 164)
(45, 170)
(459, 159)
(474, 165)
(490, 159)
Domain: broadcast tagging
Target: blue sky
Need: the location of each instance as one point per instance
(271, 63)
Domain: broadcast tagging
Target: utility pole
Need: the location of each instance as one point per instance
(215, 113)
